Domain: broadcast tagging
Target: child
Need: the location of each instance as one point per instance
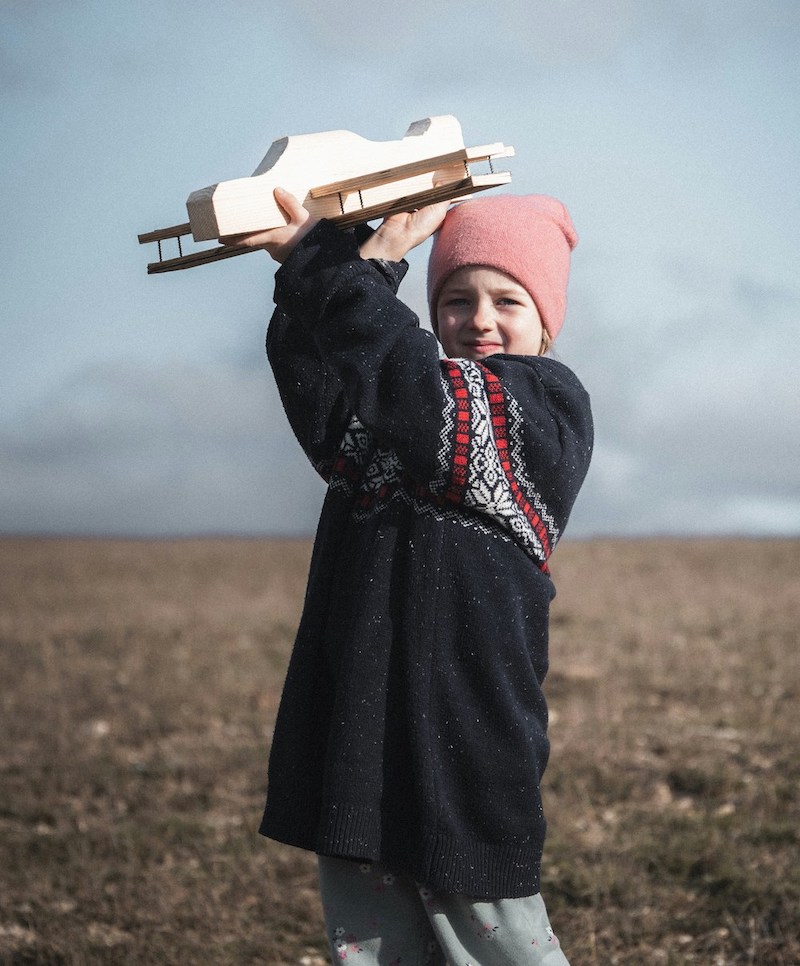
(411, 737)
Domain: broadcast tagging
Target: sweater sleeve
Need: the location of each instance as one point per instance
(312, 394)
(385, 364)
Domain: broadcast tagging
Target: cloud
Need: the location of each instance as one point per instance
(697, 412)
(128, 449)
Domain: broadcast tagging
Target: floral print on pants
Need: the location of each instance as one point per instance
(375, 917)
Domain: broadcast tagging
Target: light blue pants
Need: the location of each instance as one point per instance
(376, 918)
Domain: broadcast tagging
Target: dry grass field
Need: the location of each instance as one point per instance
(140, 680)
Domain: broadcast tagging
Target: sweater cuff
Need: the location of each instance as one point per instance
(393, 272)
(322, 261)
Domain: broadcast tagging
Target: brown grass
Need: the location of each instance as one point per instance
(140, 680)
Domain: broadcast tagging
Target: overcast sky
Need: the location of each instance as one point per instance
(670, 128)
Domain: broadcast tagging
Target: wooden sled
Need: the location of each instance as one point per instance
(339, 176)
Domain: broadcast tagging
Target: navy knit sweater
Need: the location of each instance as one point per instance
(412, 728)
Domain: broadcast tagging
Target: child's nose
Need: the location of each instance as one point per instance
(482, 316)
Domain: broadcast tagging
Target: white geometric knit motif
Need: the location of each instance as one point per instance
(488, 488)
(376, 475)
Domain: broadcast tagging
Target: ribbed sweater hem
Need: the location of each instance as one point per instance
(438, 860)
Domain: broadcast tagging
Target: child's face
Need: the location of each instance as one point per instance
(481, 311)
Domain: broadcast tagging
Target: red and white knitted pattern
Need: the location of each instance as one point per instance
(481, 466)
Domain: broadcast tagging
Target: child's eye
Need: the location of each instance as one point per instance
(507, 300)
(456, 300)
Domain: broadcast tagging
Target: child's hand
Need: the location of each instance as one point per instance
(279, 242)
(399, 233)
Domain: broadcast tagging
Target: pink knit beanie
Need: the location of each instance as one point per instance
(529, 237)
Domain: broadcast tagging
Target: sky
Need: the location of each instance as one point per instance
(139, 405)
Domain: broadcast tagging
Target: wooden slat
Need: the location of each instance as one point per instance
(446, 192)
(197, 258)
(177, 231)
(413, 168)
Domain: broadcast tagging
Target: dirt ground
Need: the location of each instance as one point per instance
(140, 680)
